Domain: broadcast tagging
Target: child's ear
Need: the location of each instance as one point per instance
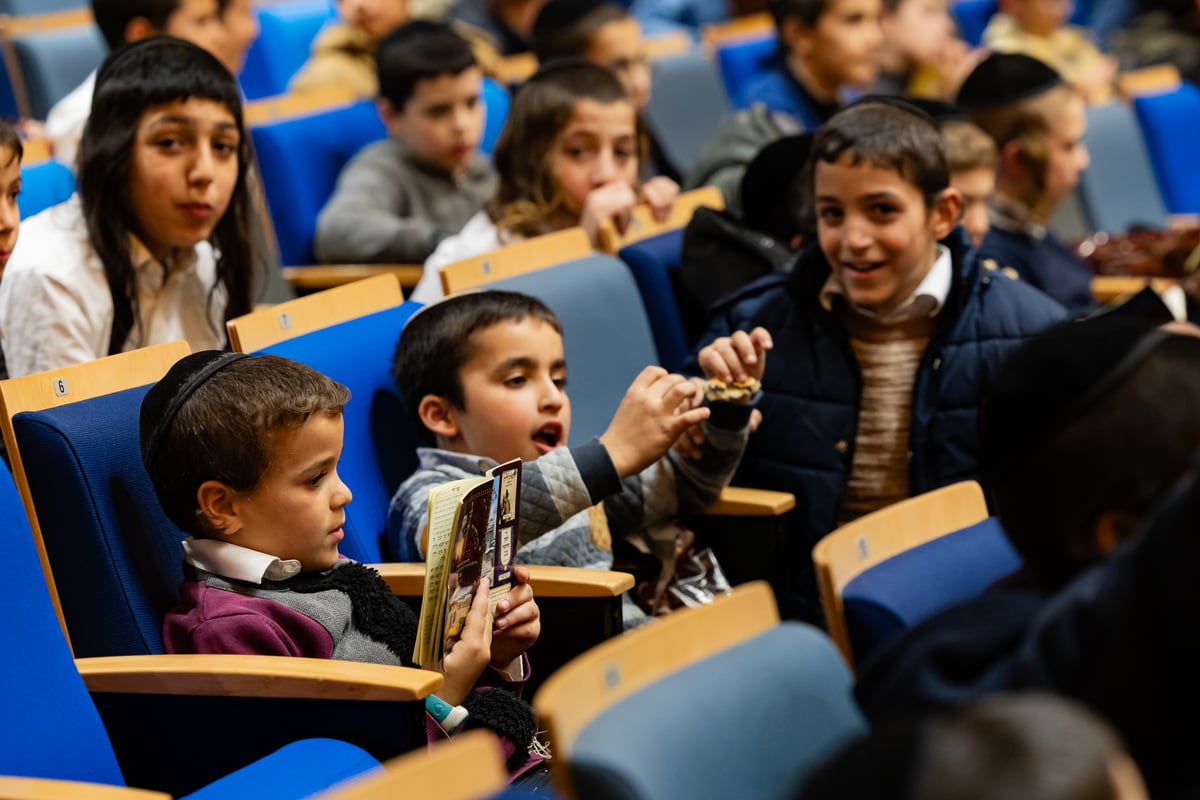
(946, 212)
(437, 414)
(393, 120)
(1013, 161)
(796, 37)
(139, 28)
(215, 502)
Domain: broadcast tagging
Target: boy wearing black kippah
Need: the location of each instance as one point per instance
(243, 453)
(1038, 123)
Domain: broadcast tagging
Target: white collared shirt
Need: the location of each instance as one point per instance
(56, 308)
(239, 563)
(67, 119)
(926, 301)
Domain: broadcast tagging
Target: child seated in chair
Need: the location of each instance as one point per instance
(243, 453)
(398, 198)
(343, 54)
(1038, 123)
(827, 48)
(483, 377)
(886, 333)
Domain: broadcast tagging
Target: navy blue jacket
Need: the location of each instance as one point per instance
(812, 387)
(1046, 264)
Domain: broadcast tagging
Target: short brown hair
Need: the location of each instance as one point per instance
(968, 147)
(1027, 122)
(226, 430)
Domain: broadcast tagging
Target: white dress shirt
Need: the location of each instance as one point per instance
(56, 308)
(66, 120)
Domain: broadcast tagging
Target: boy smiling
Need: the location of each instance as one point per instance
(884, 336)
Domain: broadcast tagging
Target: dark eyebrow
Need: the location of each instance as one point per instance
(190, 122)
(523, 362)
(319, 465)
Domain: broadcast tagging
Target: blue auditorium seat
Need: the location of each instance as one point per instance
(44, 184)
(1170, 121)
(286, 34)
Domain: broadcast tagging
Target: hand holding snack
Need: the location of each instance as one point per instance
(734, 364)
(649, 420)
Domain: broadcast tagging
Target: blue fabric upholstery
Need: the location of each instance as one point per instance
(380, 446)
(891, 597)
(751, 721)
(19, 8)
(53, 62)
(46, 698)
(496, 102)
(44, 184)
(606, 337)
(742, 60)
(300, 160)
(973, 16)
(1119, 159)
(292, 772)
(1170, 122)
(654, 263)
(117, 558)
(286, 33)
(686, 107)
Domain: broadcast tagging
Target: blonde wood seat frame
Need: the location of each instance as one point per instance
(859, 545)
(582, 689)
(643, 225)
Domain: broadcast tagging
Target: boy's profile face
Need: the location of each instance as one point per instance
(442, 123)
(240, 23)
(1066, 154)
(620, 47)
(976, 186)
(876, 232)
(375, 18)
(298, 507)
(514, 399)
(197, 21)
(918, 29)
(841, 48)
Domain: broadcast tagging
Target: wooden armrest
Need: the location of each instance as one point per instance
(326, 276)
(256, 676)
(1112, 287)
(14, 788)
(736, 501)
(408, 580)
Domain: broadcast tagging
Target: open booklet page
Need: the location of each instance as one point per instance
(472, 535)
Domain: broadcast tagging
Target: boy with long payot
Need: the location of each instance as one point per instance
(399, 197)
(225, 28)
(243, 453)
(886, 334)
(827, 48)
(1038, 122)
(483, 378)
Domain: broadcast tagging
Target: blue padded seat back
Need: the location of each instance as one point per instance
(296, 770)
(117, 557)
(1169, 122)
(973, 17)
(687, 105)
(606, 336)
(891, 597)
(300, 159)
(379, 445)
(654, 263)
(742, 60)
(46, 704)
(286, 34)
(1119, 159)
(18, 8)
(750, 721)
(53, 62)
(44, 184)
(496, 102)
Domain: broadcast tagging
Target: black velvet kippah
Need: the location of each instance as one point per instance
(769, 183)
(1004, 78)
(1054, 380)
(939, 111)
(165, 398)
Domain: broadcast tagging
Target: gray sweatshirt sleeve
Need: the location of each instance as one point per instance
(371, 217)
